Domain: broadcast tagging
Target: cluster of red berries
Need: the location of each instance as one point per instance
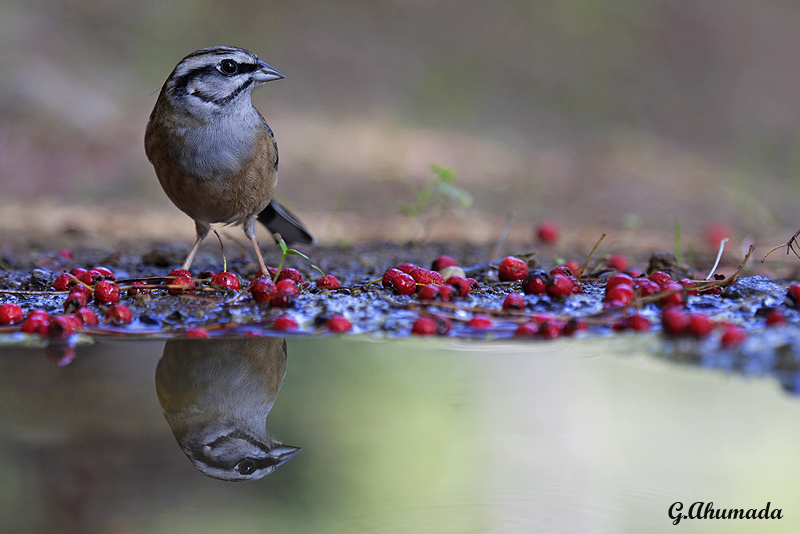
(444, 281)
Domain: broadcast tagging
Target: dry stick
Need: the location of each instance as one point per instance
(789, 246)
(589, 257)
(719, 257)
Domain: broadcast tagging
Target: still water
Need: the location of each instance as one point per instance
(396, 436)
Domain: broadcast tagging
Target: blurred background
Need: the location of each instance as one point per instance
(602, 115)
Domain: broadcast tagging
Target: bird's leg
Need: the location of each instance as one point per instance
(202, 231)
(250, 232)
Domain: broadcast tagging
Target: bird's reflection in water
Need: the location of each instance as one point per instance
(216, 394)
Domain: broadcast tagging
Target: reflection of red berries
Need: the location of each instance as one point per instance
(86, 316)
(198, 333)
(550, 329)
(10, 313)
(512, 269)
(674, 321)
(424, 326)
(61, 327)
(794, 294)
(547, 232)
(480, 322)
(528, 329)
(775, 318)
(285, 322)
(700, 325)
(732, 335)
(339, 324)
(514, 301)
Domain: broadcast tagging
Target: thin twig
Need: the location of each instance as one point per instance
(719, 257)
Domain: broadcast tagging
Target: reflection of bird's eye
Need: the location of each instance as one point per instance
(246, 467)
(228, 66)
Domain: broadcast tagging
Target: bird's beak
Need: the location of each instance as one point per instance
(281, 453)
(266, 73)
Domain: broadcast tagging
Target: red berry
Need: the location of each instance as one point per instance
(388, 276)
(675, 295)
(86, 316)
(339, 324)
(619, 278)
(618, 262)
(135, 288)
(674, 321)
(36, 322)
(700, 325)
(428, 292)
(461, 284)
(285, 322)
(77, 298)
(794, 294)
(288, 286)
(424, 326)
(406, 267)
(174, 273)
(281, 298)
(514, 301)
(575, 325)
(559, 286)
(775, 318)
(480, 322)
(661, 278)
(691, 289)
(287, 273)
(547, 232)
(10, 313)
(512, 269)
(422, 275)
(529, 329)
(198, 333)
(119, 315)
(404, 284)
(443, 261)
(226, 280)
(732, 335)
(329, 281)
(715, 233)
(535, 283)
(60, 327)
(104, 272)
(106, 292)
(645, 286)
(550, 329)
(63, 282)
(446, 293)
(621, 292)
(563, 269)
(182, 284)
(262, 289)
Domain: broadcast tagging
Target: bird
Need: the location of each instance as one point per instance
(213, 153)
(216, 395)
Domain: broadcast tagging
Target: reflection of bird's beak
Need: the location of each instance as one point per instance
(283, 453)
(266, 73)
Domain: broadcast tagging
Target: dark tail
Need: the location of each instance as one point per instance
(277, 219)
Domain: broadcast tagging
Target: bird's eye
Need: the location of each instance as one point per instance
(228, 66)
(246, 467)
